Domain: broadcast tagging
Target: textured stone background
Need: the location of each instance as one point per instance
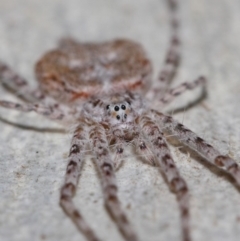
(32, 162)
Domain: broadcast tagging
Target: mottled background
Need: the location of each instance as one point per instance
(32, 162)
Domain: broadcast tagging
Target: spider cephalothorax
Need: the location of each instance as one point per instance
(100, 89)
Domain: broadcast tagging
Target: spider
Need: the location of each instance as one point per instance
(103, 89)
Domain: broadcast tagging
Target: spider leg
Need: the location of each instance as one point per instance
(167, 166)
(18, 85)
(190, 139)
(172, 57)
(174, 92)
(68, 190)
(108, 180)
(51, 113)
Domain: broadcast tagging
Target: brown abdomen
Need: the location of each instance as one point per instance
(76, 71)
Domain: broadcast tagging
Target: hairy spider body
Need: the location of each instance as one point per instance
(104, 90)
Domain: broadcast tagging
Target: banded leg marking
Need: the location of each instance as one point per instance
(195, 142)
(51, 113)
(105, 165)
(172, 57)
(18, 85)
(174, 92)
(74, 167)
(164, 158)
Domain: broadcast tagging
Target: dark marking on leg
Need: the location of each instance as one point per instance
(76, 214)
(96, 102)
(68, 190)
(219, 160)
(166, 157)
(199, 140)
(74, 149)
(72, 163)
(107, 169)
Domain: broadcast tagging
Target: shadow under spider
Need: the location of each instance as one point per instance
(32, 128)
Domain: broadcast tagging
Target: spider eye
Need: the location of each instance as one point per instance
(123, 107)
(118, 117)
(125, 116)
(116, 108)
(107, 107)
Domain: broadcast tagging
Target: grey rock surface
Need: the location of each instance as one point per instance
(32, 162)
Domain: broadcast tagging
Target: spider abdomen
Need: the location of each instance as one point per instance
(77, 71)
